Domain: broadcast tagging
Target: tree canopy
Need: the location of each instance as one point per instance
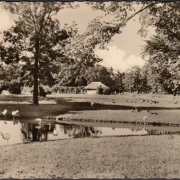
(36, 39)
(50, 54)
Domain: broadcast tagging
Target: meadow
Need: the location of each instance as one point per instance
(125, 108)
(105, 157)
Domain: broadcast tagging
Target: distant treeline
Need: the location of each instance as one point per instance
(73, 79)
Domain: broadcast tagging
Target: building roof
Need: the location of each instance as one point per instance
(95, 85)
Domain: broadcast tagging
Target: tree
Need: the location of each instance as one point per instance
(116, 15)
(163, 47)
(10, 78)
(35, 39)
(135, 79)
(118, 82)
(101, 74)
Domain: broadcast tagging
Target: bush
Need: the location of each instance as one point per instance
(100, 90)
(70, 89)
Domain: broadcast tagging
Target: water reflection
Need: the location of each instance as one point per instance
(13, 132)
(36, 131)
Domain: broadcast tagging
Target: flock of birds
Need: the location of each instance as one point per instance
(15, 114)
(139, 110)
(135, 109)
(143, 100)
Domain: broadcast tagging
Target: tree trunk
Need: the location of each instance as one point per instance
(36, 68)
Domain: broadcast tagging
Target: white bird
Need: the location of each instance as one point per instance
(15, 114)
(39, 120)
(92, 104)
(55, 133)
(144, 119)
(4, 114)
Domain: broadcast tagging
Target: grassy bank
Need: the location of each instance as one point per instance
(128, 157)
(162, 116)
(106, 110)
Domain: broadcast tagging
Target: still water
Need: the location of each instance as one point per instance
(26, 132)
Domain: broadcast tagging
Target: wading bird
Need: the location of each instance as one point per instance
(15, 114)
(144, 119)
(39, 120)
(92, 104)
(4, 113)
(55, 133)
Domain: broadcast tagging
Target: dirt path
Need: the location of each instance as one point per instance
(127, 157)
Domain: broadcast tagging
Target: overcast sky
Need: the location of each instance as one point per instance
(123, 52)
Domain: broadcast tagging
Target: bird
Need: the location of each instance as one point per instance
(55, 133)
(113, 101)
(4, 113)
(5, 136)
(39, 120)
(92, 104)
(144, 119)
(15, 114)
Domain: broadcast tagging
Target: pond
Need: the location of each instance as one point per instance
(31, 131)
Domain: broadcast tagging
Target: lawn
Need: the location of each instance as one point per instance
(107, 108)
(125, 157)
(107, 157)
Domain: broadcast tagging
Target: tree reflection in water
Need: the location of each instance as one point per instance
(39, 132)
(80, 131)
(36, 132)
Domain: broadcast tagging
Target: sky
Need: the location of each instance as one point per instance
(125, 49)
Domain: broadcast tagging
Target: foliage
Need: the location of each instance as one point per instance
(116, 15)
(10, 78)
(163, 47)
(36, 39)
(135, 80)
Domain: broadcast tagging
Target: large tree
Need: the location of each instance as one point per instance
(115, 16)
(163, 49)
(36, 39)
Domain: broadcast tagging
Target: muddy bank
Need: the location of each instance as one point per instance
(127, 157)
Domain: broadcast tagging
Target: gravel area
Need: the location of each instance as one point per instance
(122, 157)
